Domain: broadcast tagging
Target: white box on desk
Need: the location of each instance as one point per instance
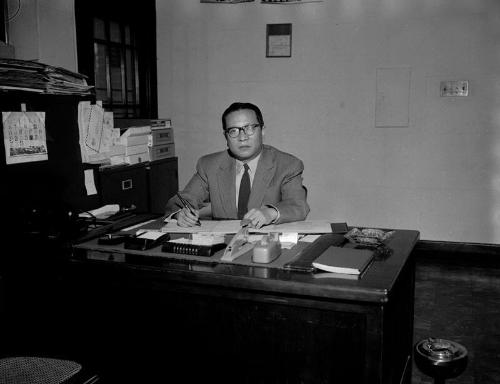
(164, 151)
(117, 159)
(129, 141)
(115, 150)
(161, 123)
(161, 136)
(135, 149)
(138, 158)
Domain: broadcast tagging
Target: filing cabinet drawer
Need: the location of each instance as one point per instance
(126, 186)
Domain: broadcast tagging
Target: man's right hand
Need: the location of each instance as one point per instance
(187, 219)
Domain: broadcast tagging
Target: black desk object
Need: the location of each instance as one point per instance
(175, 320)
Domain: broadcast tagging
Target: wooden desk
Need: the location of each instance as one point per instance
(252, 324)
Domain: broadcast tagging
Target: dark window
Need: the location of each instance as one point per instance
(3, 20)
(117, 51)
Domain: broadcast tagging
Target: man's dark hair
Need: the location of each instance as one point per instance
(238, 107)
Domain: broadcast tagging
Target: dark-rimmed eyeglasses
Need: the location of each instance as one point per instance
(234, 132)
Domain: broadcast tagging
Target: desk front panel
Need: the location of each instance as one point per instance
(239, 325)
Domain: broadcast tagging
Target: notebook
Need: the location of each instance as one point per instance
(343, 260)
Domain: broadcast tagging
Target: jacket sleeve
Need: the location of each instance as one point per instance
(196, 191)
(293, 205)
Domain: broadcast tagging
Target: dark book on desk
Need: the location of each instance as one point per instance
(191, 249)
(344, 260)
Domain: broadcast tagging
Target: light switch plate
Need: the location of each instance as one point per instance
(454, 88)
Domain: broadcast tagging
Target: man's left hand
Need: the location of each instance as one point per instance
(259, 217)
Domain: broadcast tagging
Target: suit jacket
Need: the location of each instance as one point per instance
(277, 182)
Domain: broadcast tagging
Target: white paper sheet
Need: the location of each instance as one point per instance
(89, 182)
(233, 226)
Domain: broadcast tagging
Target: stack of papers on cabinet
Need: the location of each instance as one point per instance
(34, 76)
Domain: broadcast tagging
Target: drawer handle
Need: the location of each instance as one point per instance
(127, 184)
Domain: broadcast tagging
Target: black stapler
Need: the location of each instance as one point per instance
(144, 241)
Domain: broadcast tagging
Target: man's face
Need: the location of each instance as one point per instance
(244, 147)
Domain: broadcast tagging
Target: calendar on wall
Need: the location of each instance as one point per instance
(24, 137)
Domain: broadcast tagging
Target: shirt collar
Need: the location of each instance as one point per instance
(252, 164)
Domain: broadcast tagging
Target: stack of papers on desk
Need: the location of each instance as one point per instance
(233, 226)
(212, 226)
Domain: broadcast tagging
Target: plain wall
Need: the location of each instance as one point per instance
(439, 175)
(43, 30)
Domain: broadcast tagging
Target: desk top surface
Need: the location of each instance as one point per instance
(374, 285)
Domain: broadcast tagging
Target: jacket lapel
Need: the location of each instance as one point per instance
(226, 186)
(262, 178)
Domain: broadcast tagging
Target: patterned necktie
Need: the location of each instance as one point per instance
(244, 193)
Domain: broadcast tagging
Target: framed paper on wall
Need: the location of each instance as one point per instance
(279, 40)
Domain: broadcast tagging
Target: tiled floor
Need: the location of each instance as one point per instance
(460, 303)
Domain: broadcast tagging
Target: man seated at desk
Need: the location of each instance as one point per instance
(249, 180)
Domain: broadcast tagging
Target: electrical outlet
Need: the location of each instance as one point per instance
(454, 88)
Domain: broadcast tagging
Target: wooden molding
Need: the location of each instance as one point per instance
(456, 252)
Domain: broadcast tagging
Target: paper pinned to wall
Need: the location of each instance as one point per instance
(97, 133)
(89, 182)
(24, 137)
(392, 101)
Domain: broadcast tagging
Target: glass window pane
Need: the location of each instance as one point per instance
(119, 113)
(101, 94)
(115, 70)
(127, 34)
(130, 70)
(100, 53)
(99, 29)
(115, 56)
(137, 99)
(130, 97)
(114, 32)
(116, 79)
(117, 96)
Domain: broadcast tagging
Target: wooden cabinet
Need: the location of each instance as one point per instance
(57, 183)
(147, 185)
(163, 183)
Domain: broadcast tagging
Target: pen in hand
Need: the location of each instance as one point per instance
(186, 204)
(245, 222)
